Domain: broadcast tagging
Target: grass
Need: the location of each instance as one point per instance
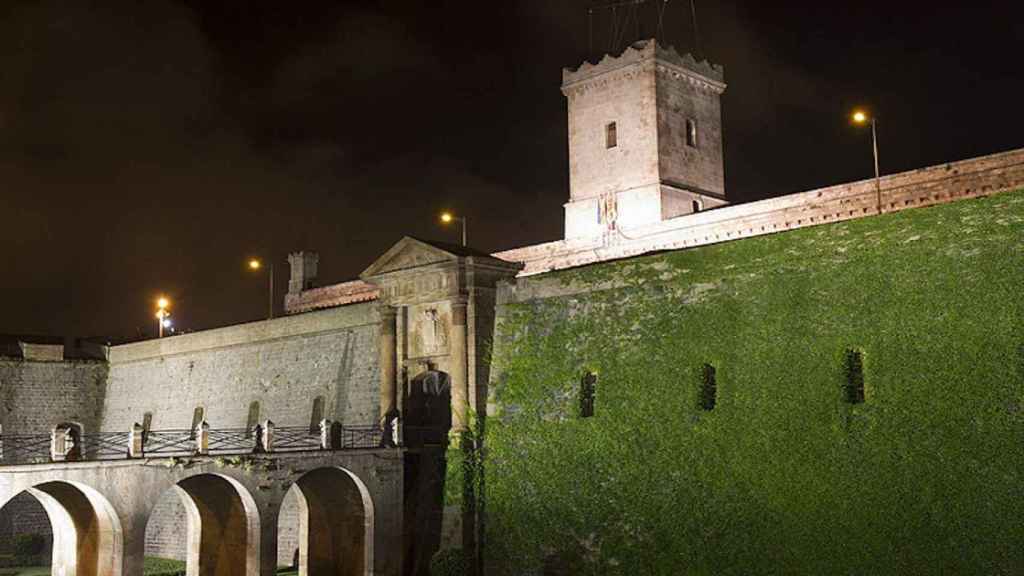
(153, 567)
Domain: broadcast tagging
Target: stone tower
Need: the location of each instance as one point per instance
(645, 139)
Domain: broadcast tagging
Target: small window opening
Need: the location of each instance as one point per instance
(691, 133)
(611, 135)
(253, 419)
(147, 425)
(588, 387)
(853, 372)
(317, 415)
(198, 415)
(696, 206)
(708, 387)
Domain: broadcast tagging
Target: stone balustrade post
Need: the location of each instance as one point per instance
(203, 438)
(265, 436)
(136, 441)
(326, 434)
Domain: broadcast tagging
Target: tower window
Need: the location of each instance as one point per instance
(611, 135)
(588, 387)
(853, 372)
(708, 387)
(691, 132)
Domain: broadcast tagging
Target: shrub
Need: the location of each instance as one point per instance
(448, 562)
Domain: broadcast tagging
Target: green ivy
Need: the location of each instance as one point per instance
(783, 476)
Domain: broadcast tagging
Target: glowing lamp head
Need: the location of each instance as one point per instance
(163, 303)
(447, 217)
(859, 117)
(166, 322)
(255, 264)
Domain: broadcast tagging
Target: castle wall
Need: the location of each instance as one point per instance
(783, 475)
(36, 396)
(283, 364)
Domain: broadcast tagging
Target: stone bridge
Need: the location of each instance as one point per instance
(350, 510)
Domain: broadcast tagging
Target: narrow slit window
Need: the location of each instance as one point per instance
(198, 415)
(317, 415)
(708, 388)
(691, 132)
(147, 422)
(253, 419)
(853, 372)
(588, 388)
(696, 206)
(611, 135)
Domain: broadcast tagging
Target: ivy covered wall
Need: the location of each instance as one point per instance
(784, 475)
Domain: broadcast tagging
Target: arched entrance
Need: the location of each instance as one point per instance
(212, 521)
(335, 521)
(86, 533)
(427, 413)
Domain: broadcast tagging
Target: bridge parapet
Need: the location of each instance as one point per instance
(68, 444)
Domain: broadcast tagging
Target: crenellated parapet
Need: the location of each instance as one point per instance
(665, 58)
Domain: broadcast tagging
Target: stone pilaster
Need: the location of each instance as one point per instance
(388, 360)
(459, 367)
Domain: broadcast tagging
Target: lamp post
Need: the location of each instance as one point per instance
(861, 117)
(163, 317)
(447, 218)
(256, 264)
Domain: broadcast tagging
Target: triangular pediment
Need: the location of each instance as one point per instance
(407, 254)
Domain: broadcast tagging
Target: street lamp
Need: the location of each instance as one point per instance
(862, 117)
(163, 317)
(447, 218)
(256, 264)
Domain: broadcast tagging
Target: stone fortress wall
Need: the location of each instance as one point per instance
(283, 364)
(37, 392)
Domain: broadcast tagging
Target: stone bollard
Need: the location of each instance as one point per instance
(202, 438)
(326, 434)
(136, 441)
(265, 437)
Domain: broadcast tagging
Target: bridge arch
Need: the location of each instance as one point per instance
(222, 526)
(87, 536)
(335, 523)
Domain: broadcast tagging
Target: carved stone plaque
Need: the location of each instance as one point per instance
(429, 329)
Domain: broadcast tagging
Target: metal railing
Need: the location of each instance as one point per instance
(59, 446)
(105, 445)
(296, 439)
(25, 448)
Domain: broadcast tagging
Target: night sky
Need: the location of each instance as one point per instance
(151, 147)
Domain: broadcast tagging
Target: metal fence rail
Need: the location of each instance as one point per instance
(169, 443)
(296, 439)
(232, 441)
(105, 446)
(24, 448)
(356, 437)
(38, 448)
